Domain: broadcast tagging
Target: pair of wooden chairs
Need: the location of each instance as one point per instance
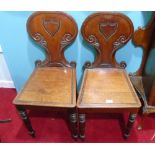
(105, 87)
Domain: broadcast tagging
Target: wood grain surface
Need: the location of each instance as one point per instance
(49, 86)
(107, 87)
(107, 32)
(53, 31)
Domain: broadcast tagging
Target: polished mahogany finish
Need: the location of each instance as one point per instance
(143, 37)
(54, 31)
(44, 88)
(144, 78)
(52, 85)
(106, 86)
(107, 32)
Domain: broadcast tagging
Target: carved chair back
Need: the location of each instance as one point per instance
(107, 32)
(54, 31)
(144, 37)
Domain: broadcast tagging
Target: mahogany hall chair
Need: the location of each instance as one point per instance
(52, 85)
(106, 86)
(144, 78)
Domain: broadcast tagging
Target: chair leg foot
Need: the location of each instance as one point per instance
(73, 123)
(32, 133)
(126, 136)
(26, 120)
(141, 124)
(82, 120)
(131, 120)
(82, 136)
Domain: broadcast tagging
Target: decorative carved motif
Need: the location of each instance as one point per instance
(87, 64)
(119, 42)
(108, 29)
(53, 31)
(107, 32)
(40, 39)
(39, 63)
(51, 26)
(47, 63)
(123, 64)
(144, 37)
(93, 41)
(66, 39)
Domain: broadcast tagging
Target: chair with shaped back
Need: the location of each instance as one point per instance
(144, 78)
(106, 86)
(52, 85)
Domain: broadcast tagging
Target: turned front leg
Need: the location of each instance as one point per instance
(26, 120)
(82, 123)
(73, 124)
(131, 120)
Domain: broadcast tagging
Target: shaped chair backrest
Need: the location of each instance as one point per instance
(107, 32)
(54, 31)
(144, 37)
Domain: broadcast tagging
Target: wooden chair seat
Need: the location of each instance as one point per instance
(107, 88)
(52, 85)
(49, 86)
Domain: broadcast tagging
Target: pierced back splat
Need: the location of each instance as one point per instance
(54, 31)
(107, 32)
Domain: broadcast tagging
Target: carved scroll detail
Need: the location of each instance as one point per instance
(119, 42)
(123, 64)
(93, 41)
(40, 39)
(111, 26)
(47, 63)
(67, 38)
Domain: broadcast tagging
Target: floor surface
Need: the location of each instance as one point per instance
(52, 127)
